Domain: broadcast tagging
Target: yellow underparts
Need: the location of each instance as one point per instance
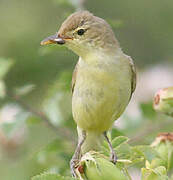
(100, 96)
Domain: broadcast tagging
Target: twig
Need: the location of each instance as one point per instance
(127, 173)
(80, 5)
(63, 132)
(148, 130)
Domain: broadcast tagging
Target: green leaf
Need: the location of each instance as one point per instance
(119, 140)
(158, 173)
(115, 133)
(48, 176)
(21, 91)
(97, 167)
(146, 151)
(5, 65)
(147, 110)
(123, 151)
(116, 142)
(165, 154)
(161, 170)
(32, 120)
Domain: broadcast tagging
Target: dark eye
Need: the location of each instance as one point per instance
(80, 32)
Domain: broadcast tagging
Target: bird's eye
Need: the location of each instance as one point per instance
(80, 32)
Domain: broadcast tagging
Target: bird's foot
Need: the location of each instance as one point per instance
(75, 159)
(73, 165)
(113, 157)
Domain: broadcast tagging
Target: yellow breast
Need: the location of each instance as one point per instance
(100, 95)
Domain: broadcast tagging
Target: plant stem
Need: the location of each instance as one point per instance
(127, 173)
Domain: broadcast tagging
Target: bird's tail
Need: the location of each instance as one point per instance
(93, 140)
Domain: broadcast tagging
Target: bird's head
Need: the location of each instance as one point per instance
(83, 33)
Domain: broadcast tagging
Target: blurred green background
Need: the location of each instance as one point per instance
(37, 132)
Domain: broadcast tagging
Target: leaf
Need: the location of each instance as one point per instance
(147, 110)
(21, 91)
(5, 65)
(146, 151)
(158, 173)
(161, 170)
(119, 140)
(98, 167)
(115, 143)
(123, 151)
(122, 148)
(33, 120)
(48, 176)
(115, 132)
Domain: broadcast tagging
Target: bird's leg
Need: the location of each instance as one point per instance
(76, 156)
(113, 154)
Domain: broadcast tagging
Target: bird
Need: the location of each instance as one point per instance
(103, 80)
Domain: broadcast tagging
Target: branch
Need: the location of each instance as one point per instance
(61, 131)
(148, 130)
(80, 5)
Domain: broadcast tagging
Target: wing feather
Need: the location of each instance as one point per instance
(74, 77)
(133, 80)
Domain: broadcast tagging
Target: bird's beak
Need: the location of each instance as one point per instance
(54, 39)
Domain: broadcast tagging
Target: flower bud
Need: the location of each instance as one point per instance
(95, 166)
(163, 145)
(163, 101)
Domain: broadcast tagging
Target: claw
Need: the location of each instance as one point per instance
(76, 157)
(73, 165)
(113, 157)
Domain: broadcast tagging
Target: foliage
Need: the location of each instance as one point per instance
(37, 132)
(49, 176)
